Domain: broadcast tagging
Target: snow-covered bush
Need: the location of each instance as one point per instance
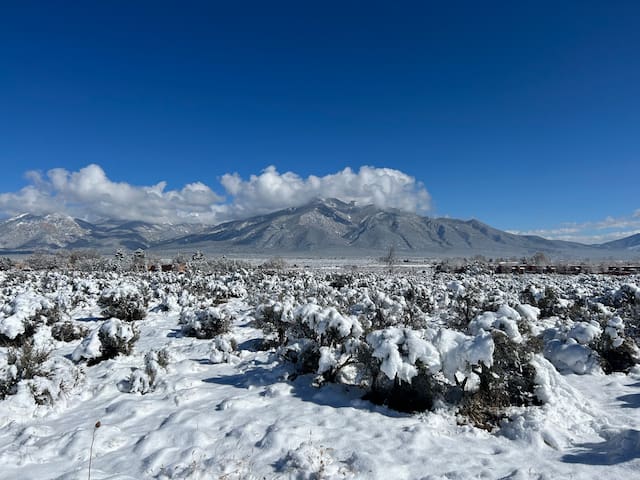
(223, 349)
(32, 370)
(126, 302)
(313, 462)
(585, 347)
(570, 356)
(322, 341)
(339, 281)
(274, 319)
(402, 366)
(20, 317)
(114, 337)
(5, 263)
(484, 369)
(510, 381)
(617, 351)
(223, 265)
(467, 301)
(274, 264)
(145, 380)
(627, 294)
(547, 300)
(23, 363)
(168, 302)
(627, 301)
(505, 319)
(215, 290)
(206, 322)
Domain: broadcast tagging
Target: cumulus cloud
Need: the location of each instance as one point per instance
(88, 193)
(383, 187)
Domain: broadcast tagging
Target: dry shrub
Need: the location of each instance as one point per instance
(23, 363)
(509, 382)
(68, 331)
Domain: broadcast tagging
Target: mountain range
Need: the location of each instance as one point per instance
(27, 232)
(322, 227)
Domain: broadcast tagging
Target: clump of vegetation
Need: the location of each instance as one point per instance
(126, 302)
(32, 367)
(627, 302)
(5, 263)
(223, 349)
(224, 265)
(548, 303)
(339, 281)
(274, 264)
(269, 317)
(21, 317)
(416, 395)
(208, 322)
(116, 340)
(144, 380)
(114, 337)
(509, 382)
(620, 359)
(23, 363)
(617, 351)
(68, 331)
(466, 304)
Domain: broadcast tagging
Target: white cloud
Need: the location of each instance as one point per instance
(594, 232)
(383, 187)
(548, 233)
(88, 193)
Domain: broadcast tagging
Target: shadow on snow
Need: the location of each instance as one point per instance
(620, 447)
(330, 395)
(630, 401)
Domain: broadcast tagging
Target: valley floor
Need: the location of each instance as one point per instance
(251, 418)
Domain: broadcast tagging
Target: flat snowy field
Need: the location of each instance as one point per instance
(217, 412)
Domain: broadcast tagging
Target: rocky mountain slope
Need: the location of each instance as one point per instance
(324, 226)
(628, 243)
(333, 226)
(29, 232)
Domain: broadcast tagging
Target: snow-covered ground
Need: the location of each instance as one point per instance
(242, 411)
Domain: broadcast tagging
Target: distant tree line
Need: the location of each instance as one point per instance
(124, 261)
(536, 263)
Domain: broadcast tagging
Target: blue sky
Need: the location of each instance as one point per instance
(525, 115)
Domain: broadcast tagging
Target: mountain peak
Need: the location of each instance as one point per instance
(330, 202)
(334, 227)
(324, 226)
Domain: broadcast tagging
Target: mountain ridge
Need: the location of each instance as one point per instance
(631, 242)
(336, 227)
(323, 226)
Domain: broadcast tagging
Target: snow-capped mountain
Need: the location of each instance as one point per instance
(333, 226)
(49, 231)
(324, 226)
(29, 232)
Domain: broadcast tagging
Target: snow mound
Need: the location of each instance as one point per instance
(571, 356)
(15, 314)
